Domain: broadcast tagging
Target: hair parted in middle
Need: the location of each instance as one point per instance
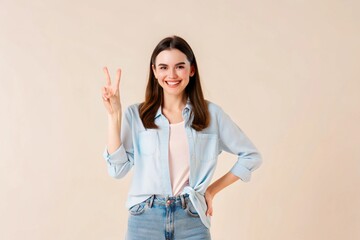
(154, 95)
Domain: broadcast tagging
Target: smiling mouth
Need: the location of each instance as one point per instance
(172, 83)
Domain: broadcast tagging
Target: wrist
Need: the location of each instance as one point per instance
(114, 116)
(211, 190)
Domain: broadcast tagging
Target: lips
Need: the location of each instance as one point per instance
(173, 83)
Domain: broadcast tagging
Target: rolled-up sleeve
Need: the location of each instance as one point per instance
(234, 140)
(121, 161)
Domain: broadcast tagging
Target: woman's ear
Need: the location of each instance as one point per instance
(192, 71)
(154, 70)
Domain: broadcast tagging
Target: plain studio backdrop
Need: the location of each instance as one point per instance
(287, 72)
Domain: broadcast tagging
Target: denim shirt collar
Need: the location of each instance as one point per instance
(187, 109)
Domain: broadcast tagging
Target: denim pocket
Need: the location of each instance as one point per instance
(148, 142)
(191, 210)
(139, 208)
(206, 147)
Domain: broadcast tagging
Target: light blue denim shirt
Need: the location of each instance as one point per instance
(147, 150)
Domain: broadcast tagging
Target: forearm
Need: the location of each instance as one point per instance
(114, 128)
(222, 183)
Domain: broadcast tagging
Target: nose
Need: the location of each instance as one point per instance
(172, 73)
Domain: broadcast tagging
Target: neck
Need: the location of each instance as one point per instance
(174, 103)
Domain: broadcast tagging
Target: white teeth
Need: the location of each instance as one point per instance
(173, 83)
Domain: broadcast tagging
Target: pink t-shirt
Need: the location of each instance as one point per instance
(178, 158)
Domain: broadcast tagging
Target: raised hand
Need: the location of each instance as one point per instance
(111, 93)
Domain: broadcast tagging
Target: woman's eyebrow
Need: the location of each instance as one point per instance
(163, 64)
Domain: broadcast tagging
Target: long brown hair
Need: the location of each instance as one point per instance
(154, 95)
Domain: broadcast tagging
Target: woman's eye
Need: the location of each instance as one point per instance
(162, 68)
(181, 67)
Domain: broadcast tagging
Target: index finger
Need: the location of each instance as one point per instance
(108, 81)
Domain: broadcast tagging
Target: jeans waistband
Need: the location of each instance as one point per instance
(168, 200)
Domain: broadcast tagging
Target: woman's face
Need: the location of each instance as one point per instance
(173, 71)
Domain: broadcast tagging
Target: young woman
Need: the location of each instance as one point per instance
(172, 140)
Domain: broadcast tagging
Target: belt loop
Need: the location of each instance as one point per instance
(183, 201)
(151, 201)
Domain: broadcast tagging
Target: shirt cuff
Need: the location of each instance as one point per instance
(241, 172)
(117, 157)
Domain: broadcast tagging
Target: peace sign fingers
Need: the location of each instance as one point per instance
(110, 92)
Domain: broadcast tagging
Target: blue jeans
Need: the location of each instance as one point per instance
(168, 218)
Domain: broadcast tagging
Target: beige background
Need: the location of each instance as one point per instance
(286, 71)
